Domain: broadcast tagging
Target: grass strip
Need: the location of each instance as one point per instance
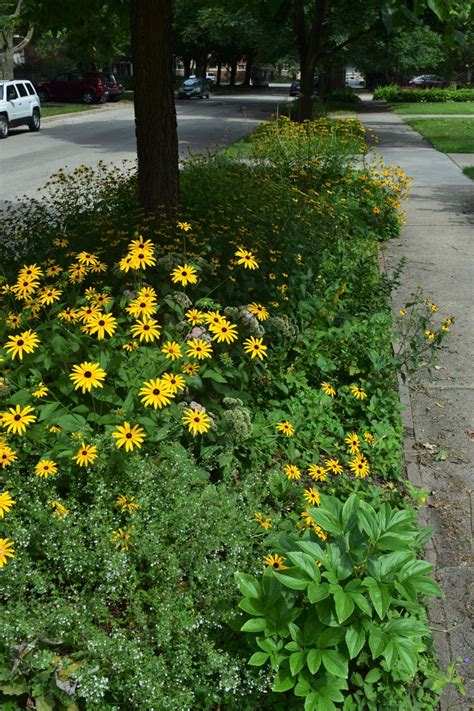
(433, 107)
(449, 135)
(47, 111)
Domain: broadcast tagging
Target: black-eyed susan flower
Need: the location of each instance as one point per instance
(184, 274)
(369, 438)
(17, 418)
(198, 421)
(292, 471)
(69, 314)
(102, 325)
(213, 318)
(41, 390)
(353, 442)
(317, 472)
(176, 382)
(23, 289)
(7, 456)
(7, 550)
(255, 347)
(86, 312)
(172, 350)
(128, 436)
(312, 496)
(142, 308)
(59, 510)
(328, 389)
(224, 332)
(286, 428)
(430, 335)
(130, 346)
(199, 349)
(17, 346)
(49, 295)
(259, 311)
(121, 538)
(87, 376)
(141, 259)
(30, 271)
(125, 504)
(156, 393)
(275, 561)
(146, 330)
(194, 316)
(334, 466)
(87, 259)
(45, 468)
(358, 392)
(246, 258)
(6, 503)
(360, 466)
(265, 523)
(101, 300)
(191, 368)
(184, 226)
(85, 455)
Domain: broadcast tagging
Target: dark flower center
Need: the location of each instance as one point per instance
(276, 565)
(197, 419)
(17, 417)
(146, 328)
(88, 374)
(156, 391)
(84, 452)
(20, 342)
(101, 323)
(128, 435)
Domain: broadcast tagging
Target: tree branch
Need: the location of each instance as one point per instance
(17, 9)
(330, 50)
(25, 41)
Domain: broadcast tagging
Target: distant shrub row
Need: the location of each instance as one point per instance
(395, 93)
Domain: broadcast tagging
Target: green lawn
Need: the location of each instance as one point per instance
(449, 135)
(469, 172)
(433, 107)
(57, 110)
(242, 148)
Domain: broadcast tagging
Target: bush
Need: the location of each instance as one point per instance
(396, 94)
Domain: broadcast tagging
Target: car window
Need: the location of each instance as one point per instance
(62, 77)
(191, 82)
(11, 93)
(75, 76)
(30, 88)
(1, 93)
(22, 90)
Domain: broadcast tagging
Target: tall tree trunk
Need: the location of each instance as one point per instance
(155, 112)
(233, 72)
(248, 69)
(187, 68)
(6, 54)
(219, 73)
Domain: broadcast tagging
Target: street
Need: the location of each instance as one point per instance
(107, 133)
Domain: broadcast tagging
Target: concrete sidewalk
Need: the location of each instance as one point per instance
(438, 241)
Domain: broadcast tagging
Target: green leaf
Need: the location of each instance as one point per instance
(313, 660)
(14, 688)
(283, 682)
(414, 567)
(305, 562)
(311, 702)
(47, 410)
(21, 397)
(248, 585)
(327, 520)
(258, 659)
(297, 661)
(334, 663)
(294, 579)
(314, 549)
(376, 641)
(213, 375)
(362, 603)
(256, 625)
(373, 676)
(349, 511)
(355, 640)
(252, 606)
(427, 586)
(317, 592)
(344, 605)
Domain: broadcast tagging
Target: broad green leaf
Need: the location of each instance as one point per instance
(334, 663)
(283, 682)
(294, 579)
(349, 511)
(355, 640)
(406, 655)
(14, 688)
(256, 625)
(305, 562)
(252, 606)
(317, 592)
(414, 567)
(47, 410)
(314, 549)
(258, 659)
(297, 661)
(296, 633)
(344, 605)
(213, 375)
(248, 585)
(311, 702)
(330, 637)
(373, 676)
(313, 660)
(326, 520)
(362, 603)
(376, 641)
(427, 586)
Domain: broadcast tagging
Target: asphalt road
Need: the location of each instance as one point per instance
(107, 133)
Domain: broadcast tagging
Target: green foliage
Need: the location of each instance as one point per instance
(345, 609)
(395, 94)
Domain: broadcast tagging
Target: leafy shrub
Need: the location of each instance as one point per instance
(396, 94)
(346, 96)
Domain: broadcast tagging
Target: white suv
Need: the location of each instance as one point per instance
(19, 105)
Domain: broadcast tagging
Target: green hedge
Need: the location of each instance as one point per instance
(397, 94)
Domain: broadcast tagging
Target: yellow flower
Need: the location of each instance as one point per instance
(213, 318)
(25, 288)
(199, 349)
(102, 325)
(255, 347)
(275, 561)
(266, 523)
(25, 342)
(360, 466)
(312, 496)
(41, 390)
(16, 419)
(368, 437)
(87, 259)
(48, 296)
(59, 510)
(175, 382)
(198, 421)
(353, 441)
(142, 307)
(7, 455)
(334, 466)
(129, 436)
(358, 392)
(69, 315)
(317, 472)
(191, 369)
(259, 311)
(85, 455)
(147, 330)
(246, 258)
(87, 376)
(125, 504)
(224, 332)
(45, 468)
(6, 503)
(429, 335)
(328, 389)
(121, 539)
(184, 274)
(172, 350)
(403, 312)
(292, 471)
(156, 393)
(86, 312)
(185, 226)
(6, 551)
(132, 346)
(30, 272)
(286, 427)
(195, 316)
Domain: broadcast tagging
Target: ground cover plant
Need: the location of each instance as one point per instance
(47, 110)
(469, 172)
(190, 396)
(450, 135)
(397, 94)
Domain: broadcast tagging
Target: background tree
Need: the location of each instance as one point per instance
(15, 34)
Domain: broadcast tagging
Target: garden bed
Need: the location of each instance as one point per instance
(212, 392)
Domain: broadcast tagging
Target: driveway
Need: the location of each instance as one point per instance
(27, 159)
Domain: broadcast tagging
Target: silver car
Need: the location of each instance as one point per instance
(194, 89)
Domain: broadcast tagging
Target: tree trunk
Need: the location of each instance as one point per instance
(6, 54)
(233, 72)
(187, 68)
(155, 111)
(248, 70)
(219, 74)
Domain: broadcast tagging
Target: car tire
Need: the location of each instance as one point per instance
(4, 127)
(35, 121)
(88, 97)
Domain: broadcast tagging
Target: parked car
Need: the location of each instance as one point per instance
(295, 86)
(114, 87)
(89, 87)
(194, 88)
(211, 77)
(355, 81)
(19, 106)
(428, 81)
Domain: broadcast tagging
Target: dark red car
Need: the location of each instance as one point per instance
(88, 87)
